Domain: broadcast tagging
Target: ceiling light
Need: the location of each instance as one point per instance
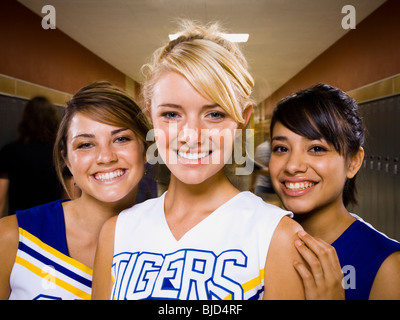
(234, 37)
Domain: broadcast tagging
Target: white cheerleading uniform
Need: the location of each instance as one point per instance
(43, 270)
(222, 257)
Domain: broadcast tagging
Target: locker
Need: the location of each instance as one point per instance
(379, 179)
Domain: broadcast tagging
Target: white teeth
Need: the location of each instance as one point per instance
(109, 175)
(193, 156)
(298, 186)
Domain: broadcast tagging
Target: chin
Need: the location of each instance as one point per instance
(297, 207)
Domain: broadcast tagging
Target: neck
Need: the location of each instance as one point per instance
(326, 223)
(92, 213)
(207, 195)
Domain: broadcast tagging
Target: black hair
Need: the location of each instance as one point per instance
(324, 112)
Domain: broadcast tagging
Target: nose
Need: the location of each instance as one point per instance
(296, 163)
(191, 134)
(106, 154)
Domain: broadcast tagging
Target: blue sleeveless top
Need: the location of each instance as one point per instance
(45, 222)
(43, 268)
(361, 250)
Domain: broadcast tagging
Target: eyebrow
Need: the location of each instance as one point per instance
(92, 136)
(173, 105)
(279, 138)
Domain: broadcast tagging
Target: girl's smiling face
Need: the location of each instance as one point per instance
(194, 135)
(107, 162)
(308, 175)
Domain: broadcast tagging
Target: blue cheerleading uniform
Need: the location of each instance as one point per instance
(362, 250)
(43, 268)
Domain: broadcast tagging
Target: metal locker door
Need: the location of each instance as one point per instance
(395, 168)
(363, 183)
(373, 176)
(382, 146)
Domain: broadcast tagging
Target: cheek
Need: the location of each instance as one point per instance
(134, 154)
(79, 161)
(165, 134)
(276, 165)
(333, 170)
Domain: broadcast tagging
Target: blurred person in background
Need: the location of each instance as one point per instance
(27, 174)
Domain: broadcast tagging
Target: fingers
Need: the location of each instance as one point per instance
(307, 277)
(325, 253)
(320, 271)
(312, 260)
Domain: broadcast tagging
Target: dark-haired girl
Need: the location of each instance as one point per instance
(317, 138)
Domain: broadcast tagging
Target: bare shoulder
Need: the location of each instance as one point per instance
(8, 232)
(287, 229)
(282, 243)
(281, 279)
(8, 250)
(102, 281)
(387, 281)
(108, 228)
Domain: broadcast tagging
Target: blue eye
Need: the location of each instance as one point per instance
(216, 115)
(170, 115)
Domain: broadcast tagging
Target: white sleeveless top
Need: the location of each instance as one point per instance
(222, 257)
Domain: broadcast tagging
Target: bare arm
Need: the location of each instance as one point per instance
(4, 183)
(281, 279)
(8, 251)
(102, 281)
(386, 285)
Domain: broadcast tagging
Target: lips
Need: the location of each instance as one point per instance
(297, 188)
(109, 176)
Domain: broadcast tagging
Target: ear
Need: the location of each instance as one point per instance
(148, 109)
(66, 161)
(355, 163)
(248, 110)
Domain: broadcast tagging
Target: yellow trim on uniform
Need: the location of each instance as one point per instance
(254, 282)
(61, 283)
(55, 252)
(251, 284)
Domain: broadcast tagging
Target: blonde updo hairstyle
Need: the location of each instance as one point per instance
(214, 66)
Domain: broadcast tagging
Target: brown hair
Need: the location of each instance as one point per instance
(106, 104)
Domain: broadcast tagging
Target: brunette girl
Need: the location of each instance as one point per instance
(47, 252)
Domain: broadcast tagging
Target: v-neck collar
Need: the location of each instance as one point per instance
(166, 227)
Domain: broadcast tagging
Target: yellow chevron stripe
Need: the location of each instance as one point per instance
(61, 283)
(247, 286)
(55, 252)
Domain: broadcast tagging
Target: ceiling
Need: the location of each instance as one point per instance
(285, 35)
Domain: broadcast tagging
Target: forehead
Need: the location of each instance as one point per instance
(81, 123)
(171, 87)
